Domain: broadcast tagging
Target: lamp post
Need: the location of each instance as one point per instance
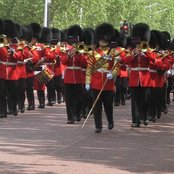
(47, 2)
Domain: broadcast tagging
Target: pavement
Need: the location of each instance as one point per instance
(40, 142)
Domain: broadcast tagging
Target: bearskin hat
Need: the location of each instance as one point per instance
(56, 33)
(63, 35)
(18, 30)
(36, 30)
(75, 30)
(141, 30)
(27, 32)
(153, 40)
(2, 26)
(158, 36)
(88, 37)
(10, 29)
(104, 32)
(128, 42)
(122, 40)
(168, 37)
(46, 35)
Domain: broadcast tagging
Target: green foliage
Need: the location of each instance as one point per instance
(89, 13)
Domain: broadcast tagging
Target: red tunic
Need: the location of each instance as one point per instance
(98, 78)
(73, 72)
(3, 55)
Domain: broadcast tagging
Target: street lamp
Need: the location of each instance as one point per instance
(47, 2)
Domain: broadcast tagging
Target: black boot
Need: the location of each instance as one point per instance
(41, 98)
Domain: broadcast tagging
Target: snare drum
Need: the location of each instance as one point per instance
(45, 75)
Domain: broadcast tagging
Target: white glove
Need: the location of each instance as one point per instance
(118, 58)
(87, 87)
(110, 76)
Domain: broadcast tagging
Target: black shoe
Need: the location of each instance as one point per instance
(22, 110)
(15, 113)
(135, 125)
(9, 112)
(154, 119)
(110, 126)
(50, 104)
(158, 114)
(141, 122)
(116, 104)
(41, 106)
(98, 130)
(59, 101)
(70, 122)
(146, 122)
(123, 102)
(29, 108)
(168, 102)
(165, 110)
(78, 119)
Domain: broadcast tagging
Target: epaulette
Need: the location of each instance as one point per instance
(62, 50)
(44, 47)
(33, 48)
(52, 49)
(19, 48)
(90, 53)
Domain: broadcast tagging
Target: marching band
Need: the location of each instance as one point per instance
(89, 69)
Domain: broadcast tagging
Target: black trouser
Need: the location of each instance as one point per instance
(3, 109)
(169, 88)
(155, 101)
(86, 101)
(58, 86)
(121, 87)
(21, 93)
(139, 103)
(29, 91)
(106, 98)
(73, 95)
(50, 91)
(11, 87)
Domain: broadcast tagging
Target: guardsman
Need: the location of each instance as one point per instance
(14, 55)
(73, 75)
(40, 88)
(49, 61)
(139, 77)
(3, 55)
(122, 77)
(30, 59)
(102, 67)
(57, 79)
(88, 39)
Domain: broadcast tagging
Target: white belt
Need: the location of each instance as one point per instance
(103, 71)
(73, 67)
(140, 69)
(83, 69)
(20, 62)
(122, 64)
(152, 70)
(48, 63)
(8, 63)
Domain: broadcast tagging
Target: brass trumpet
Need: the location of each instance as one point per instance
(82, 48)
(3, 41)
(143, 46)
